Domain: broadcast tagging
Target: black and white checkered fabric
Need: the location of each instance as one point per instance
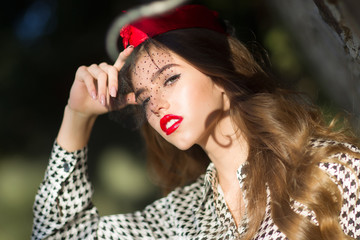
(63, 208)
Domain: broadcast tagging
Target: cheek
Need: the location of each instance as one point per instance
(154, 122)
(196, 95)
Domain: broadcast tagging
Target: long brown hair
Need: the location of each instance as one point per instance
(278, 125)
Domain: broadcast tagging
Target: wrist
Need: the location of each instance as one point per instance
(75, 129)
(80, 116)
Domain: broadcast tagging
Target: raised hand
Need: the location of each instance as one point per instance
(90, 97)
(94, 84)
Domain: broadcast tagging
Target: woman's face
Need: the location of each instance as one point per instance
(180, 102)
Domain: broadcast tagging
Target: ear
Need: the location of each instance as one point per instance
(219, 88)
(226, 100)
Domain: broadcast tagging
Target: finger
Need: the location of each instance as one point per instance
(112, 73)
(122, 57)
(85, 76)
(102, 79)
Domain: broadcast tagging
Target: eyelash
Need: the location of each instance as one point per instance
(167, 82)
(171, 79)
(145, 102)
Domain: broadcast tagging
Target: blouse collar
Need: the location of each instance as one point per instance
(211, 179)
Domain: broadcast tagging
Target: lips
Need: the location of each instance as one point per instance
(169, 123)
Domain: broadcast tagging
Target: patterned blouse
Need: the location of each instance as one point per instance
(63, 208)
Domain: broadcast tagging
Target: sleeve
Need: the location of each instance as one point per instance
(155, 222)
(63, 201)
(63, 207)
(347, 177)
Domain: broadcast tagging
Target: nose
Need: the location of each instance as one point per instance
(158, 105)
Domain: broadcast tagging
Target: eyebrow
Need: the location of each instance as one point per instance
(155, 76)
(162, 69)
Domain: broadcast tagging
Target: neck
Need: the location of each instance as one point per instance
(227, 149)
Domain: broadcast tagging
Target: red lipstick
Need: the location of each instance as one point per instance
(169, 123)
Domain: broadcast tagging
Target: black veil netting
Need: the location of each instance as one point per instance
(133, 115)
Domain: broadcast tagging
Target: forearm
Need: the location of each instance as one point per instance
(75, 130)
(63, 199)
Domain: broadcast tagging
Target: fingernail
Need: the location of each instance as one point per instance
(102, 100)
(93, 95)
(130, 46)
(113, 92)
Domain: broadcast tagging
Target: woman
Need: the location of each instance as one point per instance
(241, 157)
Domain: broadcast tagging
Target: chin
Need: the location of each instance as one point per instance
(182, 143)
(183, 147)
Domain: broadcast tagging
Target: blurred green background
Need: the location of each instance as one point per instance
(42, 43)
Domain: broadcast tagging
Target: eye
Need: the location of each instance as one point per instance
(145, 102)
(171, 79)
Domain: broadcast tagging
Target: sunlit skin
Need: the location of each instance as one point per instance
(166, 85)
(188, 93)
(178, 90)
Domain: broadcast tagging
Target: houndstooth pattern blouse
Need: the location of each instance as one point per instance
(63, 208)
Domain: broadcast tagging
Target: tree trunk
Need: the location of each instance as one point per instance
(328, 32)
